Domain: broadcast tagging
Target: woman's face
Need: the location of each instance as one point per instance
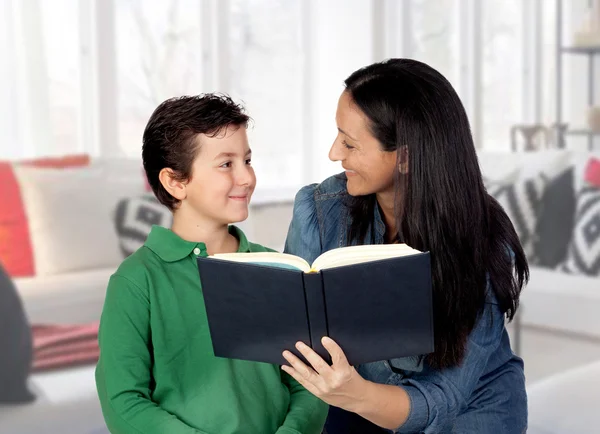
(369, 169)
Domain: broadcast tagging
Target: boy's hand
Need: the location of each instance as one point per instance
(339, 385)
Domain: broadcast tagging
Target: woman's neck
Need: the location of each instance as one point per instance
(214, 235)
(386, 204)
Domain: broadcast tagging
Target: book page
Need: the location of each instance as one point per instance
(272, 259)
(359, 254)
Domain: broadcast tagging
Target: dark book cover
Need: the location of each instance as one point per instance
(376, 310)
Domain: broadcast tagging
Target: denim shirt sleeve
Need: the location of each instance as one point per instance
(437, 397)
(303, 238)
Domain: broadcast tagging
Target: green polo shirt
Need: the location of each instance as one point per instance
(157, 372)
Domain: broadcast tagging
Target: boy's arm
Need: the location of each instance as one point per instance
(306, 414)
(123, 373)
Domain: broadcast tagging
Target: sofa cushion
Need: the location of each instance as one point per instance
(66, 298)
(70, 215)
(500, 165)
(521, 201)
(556, 220)
(15, 243)
(134, 218)
(526, 184)
(584, 250)
(555, 300)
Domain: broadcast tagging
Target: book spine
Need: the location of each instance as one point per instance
(316, 312)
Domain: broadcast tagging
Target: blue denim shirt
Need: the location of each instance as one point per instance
(485, 394)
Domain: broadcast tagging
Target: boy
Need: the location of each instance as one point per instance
(157, 372)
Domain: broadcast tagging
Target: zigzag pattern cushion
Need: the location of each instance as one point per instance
(521, 201)
(134, 218)
(584, 250)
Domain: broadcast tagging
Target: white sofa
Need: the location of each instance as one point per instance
(566, 305)
(77, 249)
(553, 300)
(72, 289)
(566, 403)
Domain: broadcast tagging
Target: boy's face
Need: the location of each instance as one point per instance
(222, 180)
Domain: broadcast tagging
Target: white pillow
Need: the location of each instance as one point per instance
(70, 215)
(501, 165)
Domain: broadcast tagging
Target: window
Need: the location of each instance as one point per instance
(159, 55)
(40, 90)
(266, 73)
(61, 56)
(503, 71)
(435, 36)
(85, 75)
(495, 53)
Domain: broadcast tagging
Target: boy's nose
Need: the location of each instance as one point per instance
(245, 176)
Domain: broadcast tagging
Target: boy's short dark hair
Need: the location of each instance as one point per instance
(169, 139)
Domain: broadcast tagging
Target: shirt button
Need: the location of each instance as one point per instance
(196, 251)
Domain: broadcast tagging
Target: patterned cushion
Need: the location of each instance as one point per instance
(521, 201)
(134, 218)
(584, 250)
(556, 220)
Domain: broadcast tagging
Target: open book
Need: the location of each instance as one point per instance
(330, 259)
(375, 301)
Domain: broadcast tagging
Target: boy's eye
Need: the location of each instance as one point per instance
(347, 145)
(249, 162)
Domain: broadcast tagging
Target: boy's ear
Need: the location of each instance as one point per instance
(172, 184)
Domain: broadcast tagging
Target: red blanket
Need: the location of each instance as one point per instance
(60, 346)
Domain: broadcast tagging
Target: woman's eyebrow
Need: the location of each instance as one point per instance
(346, 134)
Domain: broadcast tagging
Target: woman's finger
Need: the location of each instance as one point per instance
(316, 361)
(300, 379)
(304, 371)
(337, 354)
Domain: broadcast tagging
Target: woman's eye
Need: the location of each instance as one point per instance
(347, 145)
(249, 162)
(226, 165)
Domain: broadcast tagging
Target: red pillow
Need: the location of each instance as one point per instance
(15, 245)
(58, 162)
(592, 172)
(16, 254)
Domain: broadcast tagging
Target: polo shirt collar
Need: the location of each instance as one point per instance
(170, 247)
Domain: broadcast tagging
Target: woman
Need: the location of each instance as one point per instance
(412, 176)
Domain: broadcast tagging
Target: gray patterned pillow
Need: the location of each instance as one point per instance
(134, 218)
(521, 201)
(584, 250)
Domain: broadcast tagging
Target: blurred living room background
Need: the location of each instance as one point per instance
(80, 78)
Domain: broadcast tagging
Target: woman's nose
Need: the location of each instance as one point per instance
(335, 153)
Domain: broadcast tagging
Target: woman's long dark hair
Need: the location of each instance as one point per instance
(441, 204)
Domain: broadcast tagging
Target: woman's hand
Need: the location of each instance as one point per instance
(339, 385)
